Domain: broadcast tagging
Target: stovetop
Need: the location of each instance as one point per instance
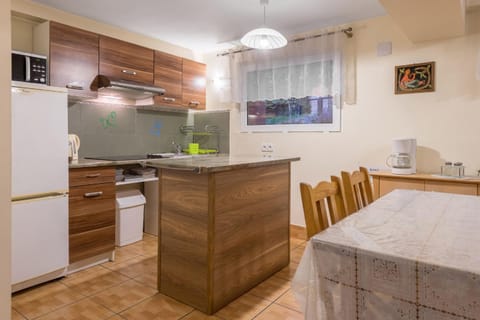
(132, 157)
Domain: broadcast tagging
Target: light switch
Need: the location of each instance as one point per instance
(384, 48)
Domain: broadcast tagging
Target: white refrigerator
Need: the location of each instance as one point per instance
(39, 184)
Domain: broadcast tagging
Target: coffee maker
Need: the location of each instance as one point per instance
(403, 157)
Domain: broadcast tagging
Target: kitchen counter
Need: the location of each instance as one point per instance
(197, 163)
(217, 163)
(87, 163)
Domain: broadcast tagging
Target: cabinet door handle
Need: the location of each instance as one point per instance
(74, 86)
(130, 72)
(93, 194)
(169, 99)
(194, 102)
(93, 175)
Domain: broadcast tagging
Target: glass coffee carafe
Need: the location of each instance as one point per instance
(399, 160)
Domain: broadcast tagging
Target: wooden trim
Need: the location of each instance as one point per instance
(298, 232)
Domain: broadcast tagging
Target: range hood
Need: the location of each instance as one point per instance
(124, 89)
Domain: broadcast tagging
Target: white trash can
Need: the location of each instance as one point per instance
(129, 217)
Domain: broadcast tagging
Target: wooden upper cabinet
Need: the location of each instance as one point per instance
(193, 84)
(120, 60)
(73, 59)
(168, 75)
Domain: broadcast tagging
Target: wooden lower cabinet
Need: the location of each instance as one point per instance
(389, 184)
(451, 187)
(91, 212)
(222, 233)
(385, 182)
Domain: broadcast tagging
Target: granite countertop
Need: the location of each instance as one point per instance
(216, 163)
(86, 163)
(198, 164)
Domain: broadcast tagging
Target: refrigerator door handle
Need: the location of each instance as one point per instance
(38, 196)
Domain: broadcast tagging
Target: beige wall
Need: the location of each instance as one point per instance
(36, 10)
(5, 154)
(445, 122)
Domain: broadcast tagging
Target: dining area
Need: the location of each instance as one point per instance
(408, 254)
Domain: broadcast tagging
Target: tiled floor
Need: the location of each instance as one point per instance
(126, 289)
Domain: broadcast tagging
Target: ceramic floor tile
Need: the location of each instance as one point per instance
(16, 315)
(245, 307)
(158, 307)
(123, 254)
(113, 291)
(135, 266)
(43, 299)
(197, 315)
(93, 280)
(271, 289)
(151, 237)
(123, 296)
(276, 312)
(149, 277)
(288, 300)
(297, 253)
(146, 248)
(83, 310)
(288, 272)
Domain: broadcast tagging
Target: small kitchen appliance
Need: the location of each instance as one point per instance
(73, 146)
(403, 157)
(29, 67)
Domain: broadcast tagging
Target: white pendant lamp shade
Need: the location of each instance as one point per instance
(264, 38)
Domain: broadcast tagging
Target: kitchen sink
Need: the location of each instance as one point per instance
(170, 155)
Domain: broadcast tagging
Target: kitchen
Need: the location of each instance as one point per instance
(377, 109)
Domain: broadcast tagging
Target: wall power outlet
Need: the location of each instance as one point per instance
(267, 147)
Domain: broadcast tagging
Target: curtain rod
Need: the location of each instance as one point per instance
(347, 31)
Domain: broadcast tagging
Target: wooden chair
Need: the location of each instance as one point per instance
(323, 205)
(358, 190)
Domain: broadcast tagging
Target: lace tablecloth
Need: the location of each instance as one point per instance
(409, 255)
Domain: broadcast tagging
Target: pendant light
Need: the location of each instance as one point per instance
(264, 38)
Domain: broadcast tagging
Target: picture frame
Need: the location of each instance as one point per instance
(415, 78)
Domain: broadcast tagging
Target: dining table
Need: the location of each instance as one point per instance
(408, 255)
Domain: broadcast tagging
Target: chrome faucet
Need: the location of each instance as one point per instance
(177, 147)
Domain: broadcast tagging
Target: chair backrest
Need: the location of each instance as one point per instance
(358, 190)
(323, 205)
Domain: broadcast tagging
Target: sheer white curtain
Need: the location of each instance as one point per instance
(316, 67)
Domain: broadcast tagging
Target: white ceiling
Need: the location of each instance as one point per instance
(210, 25)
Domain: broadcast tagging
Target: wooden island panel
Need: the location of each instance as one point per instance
(222, 233)
(183, 240)
(251, 229)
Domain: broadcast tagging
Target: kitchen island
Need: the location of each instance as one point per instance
(223, 226)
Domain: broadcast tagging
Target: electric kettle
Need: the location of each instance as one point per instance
(73, 146)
